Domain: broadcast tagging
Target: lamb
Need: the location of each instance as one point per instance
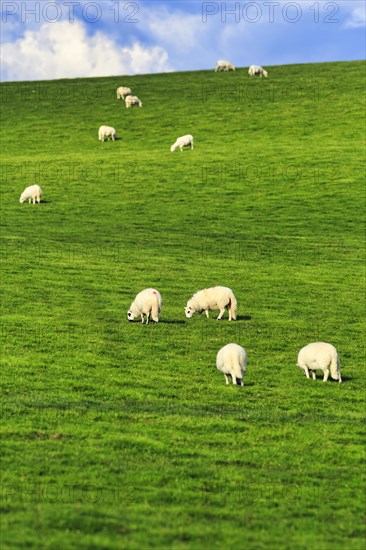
(32, 193)
(222, 65)
(322, 356)
(132, 101)
(257, 69)
(123, 91)
(147, 302)
(231, 360)
(183, 141)
(106, 132)
(217, 297)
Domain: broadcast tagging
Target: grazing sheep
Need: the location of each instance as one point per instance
(181, 142)
(122, 92)
(107, 132)
(231, 360)
(217, 297)
(132, 101)
(32, 193)
(257, 69)
(322, 356)
(147, 302)
(222, 65)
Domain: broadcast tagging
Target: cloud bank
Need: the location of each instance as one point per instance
(65, 50)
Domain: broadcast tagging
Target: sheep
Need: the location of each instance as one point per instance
(32, 193)
(257, 69)
(122, 92)
(232, 360)
(183, 141)
(322, 356)
(147, 302)
(106, 132)
(217, 297)
(132, 101)
(222, 65)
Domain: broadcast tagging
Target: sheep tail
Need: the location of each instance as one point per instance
(335, 368)
(233, 306)
(155, 309)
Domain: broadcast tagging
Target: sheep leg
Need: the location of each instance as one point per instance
(222, 311)
(306, 372)
(207, 314)
(142, 318)
(147, 318)
(233, 379)
(326, 374)
(227, 379)
(314, 374)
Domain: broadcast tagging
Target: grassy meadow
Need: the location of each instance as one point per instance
(118, 435)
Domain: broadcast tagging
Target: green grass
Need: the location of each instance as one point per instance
(118, 435)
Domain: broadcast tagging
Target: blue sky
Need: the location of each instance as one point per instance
(47, 39)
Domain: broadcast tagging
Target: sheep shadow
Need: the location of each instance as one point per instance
(243, 317)
(172, 322)
(346, 378)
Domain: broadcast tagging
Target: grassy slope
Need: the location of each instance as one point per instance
(119, 435)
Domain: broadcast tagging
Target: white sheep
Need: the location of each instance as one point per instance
(232, 360)
(106, 132)
(222, 65)
(147, 302)
(132, 101)
(123, 91)
(217, 297)
(257, 69)
(183, 141)
(320, 356)
(33, 193)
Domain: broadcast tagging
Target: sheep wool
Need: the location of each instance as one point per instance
(33, 193)
(217, 297)
(147, 302)
(320, 356)
(106, 132)
(183, 141)
(232, 360)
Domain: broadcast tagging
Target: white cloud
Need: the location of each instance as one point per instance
(64, 50)
(357, 18)
(179, 30)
